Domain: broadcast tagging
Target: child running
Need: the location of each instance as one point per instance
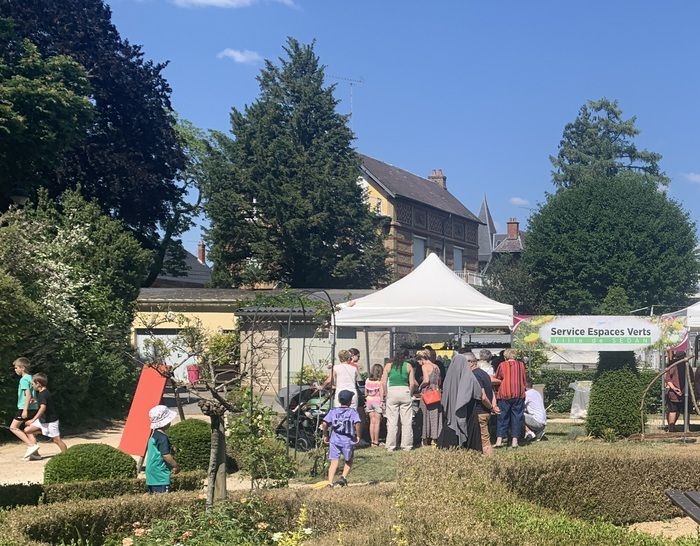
(160, 463)
(344, 422)
(26, 408)
(45, 421)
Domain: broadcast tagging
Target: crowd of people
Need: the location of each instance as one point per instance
(426, 400)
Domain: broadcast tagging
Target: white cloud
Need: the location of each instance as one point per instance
(692, 177)
(245, 57)
(519, 202)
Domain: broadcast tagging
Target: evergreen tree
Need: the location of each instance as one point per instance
(598, 144)
(282, 195)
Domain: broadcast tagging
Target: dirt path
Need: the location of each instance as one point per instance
(13, 469)
(672, 528)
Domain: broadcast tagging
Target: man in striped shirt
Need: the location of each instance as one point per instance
(510, 378)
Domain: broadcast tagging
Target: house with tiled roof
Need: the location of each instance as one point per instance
(492, 243)
(196, 274)
(422, 217)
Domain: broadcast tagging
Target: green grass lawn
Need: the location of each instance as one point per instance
(370, 465)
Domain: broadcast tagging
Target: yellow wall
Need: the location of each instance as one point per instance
(211, 321)
(387, 209)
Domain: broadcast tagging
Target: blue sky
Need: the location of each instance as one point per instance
(481, 90)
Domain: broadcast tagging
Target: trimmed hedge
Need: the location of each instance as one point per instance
(192, 441)
(613, 409)
(87, 462)
(475, 508)
(31, 494)
(618, 483)
(90, 521)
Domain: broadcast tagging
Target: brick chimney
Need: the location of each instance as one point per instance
(202, 253)
(513, 228)
(439, 178)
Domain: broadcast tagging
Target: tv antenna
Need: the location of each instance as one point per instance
(352, 83)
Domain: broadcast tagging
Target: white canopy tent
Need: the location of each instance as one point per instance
(693, 314)
(431, 295)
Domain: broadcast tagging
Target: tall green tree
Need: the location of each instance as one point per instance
(44, 111)
(599, 144)
(282, 195)
(69, 277)
(620, 231)
(507, 280)
(609, 225)
(130, 157)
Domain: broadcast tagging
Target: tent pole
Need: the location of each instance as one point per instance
(367, 349)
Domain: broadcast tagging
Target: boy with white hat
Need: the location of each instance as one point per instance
(160, 463)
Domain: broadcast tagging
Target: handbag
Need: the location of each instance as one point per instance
(431, 396)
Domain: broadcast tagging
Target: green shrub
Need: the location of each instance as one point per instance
(99, 489)
(254, 444)
(85, 462)
(90, 521)
(20, 494)
(477, 509)
(621, 483)
(556, 387)
(192, 441)
(609, 361)
(614, 404)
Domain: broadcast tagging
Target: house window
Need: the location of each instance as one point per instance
(458, 258)
(418, 250)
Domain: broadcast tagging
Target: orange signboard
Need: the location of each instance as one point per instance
(137, 430)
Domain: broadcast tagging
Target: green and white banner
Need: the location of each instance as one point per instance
(599, 332)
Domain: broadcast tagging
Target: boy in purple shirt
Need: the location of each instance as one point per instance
(344, 422)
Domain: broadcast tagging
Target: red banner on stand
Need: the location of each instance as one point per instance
(137, 430)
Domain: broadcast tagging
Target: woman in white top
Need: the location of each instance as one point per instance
(343, 377)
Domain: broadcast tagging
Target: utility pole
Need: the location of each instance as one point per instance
(351, 82)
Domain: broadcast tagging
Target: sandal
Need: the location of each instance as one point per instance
(375, 444)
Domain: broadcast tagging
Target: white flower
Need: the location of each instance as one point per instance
(308, 530)
(276, 537)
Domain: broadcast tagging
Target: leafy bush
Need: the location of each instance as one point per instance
(309, 374)
(609, 361)
(254, 445)
(472, 516)
(20, 494)
(246, 522)
(192, 441)
(85, 462)
(90, 521)
(99, 489)
(556, 387)
(620, 483)
(614, 404)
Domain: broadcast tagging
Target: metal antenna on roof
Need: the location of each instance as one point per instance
(351, 82)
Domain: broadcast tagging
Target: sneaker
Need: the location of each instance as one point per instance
(340, 482)
(539, 436)
(34, 457)
(31, 450)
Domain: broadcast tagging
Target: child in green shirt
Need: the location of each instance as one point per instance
(160, 463)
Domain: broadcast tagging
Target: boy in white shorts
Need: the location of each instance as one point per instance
(46, 420)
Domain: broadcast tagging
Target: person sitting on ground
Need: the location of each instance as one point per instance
(45, 421)
(486, 405)
(535, 413)
(484, 362)
(160, 463)
(344, 423)
(26, 408)
(374, 397)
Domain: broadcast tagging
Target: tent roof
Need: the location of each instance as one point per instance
(431, 295)
(693, 314)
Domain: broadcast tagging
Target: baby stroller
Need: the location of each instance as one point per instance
(305, 408)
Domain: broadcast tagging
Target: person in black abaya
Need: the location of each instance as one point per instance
(460, 392)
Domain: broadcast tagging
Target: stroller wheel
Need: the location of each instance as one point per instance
(302, 444)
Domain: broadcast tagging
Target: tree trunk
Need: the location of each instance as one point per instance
(216, 484)
(178, 402)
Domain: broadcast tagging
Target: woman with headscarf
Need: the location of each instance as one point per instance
(460, 392)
